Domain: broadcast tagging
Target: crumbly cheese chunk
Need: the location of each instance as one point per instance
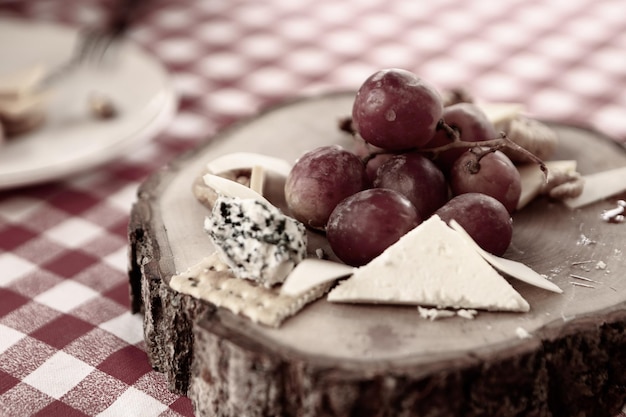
(432, 265)
(255, 239)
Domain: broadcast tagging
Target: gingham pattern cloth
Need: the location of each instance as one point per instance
(68, 343)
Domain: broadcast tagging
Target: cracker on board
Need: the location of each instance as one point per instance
(211, 280)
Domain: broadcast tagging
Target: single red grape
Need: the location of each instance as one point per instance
(417, 178)
(483, 217)
(492, 173)
(363, 225)
(394, 109)
(319, 180)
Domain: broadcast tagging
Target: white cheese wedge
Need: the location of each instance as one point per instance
(432, 265)
(533, 179)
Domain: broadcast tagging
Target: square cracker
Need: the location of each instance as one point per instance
(211, 280)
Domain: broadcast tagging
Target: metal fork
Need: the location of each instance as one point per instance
(94, 42)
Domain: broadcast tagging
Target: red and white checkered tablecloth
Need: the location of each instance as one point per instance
(68, 343)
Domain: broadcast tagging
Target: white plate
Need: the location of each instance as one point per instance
(71, 140)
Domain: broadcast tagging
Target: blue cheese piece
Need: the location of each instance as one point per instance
(255, 239)
(432, 265)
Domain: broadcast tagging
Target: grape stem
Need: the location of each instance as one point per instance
(455, 142)
(473, 165)
(493, 144)
(451, 133)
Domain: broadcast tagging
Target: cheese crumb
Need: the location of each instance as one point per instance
(522, 333)
(433, 314)
(469, 314)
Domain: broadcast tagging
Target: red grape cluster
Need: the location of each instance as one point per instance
(414, 158)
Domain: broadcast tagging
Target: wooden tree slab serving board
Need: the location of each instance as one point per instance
(358, 360)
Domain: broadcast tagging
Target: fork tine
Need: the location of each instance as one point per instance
(99, 41)
(93, 43)
(97, 46)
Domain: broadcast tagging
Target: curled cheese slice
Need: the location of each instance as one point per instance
(599, 186)
(311, 273)
(231, 188)
(248, 160)
(511, 268)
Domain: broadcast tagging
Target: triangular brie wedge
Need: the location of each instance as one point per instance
(21, 82)
(432, 265)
